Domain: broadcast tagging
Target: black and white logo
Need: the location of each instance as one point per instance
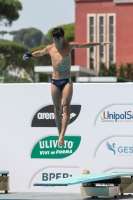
(45, 116)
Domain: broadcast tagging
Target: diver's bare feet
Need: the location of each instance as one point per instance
(61, 140)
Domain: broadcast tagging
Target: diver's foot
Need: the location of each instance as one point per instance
(61, 140)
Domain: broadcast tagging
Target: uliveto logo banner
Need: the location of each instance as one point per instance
(45, 116)
(47, 148)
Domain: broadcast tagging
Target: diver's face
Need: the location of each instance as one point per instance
(58, 41)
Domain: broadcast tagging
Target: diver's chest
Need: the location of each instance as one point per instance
(61, 54)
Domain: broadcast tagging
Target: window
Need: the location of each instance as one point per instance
(101, 28)
(101, 35)
(111, 48)
(111, 38)
(101, 38)
(91, 38)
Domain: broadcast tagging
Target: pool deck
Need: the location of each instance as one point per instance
(53, 196)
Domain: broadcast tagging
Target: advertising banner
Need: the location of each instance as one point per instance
(99, 136)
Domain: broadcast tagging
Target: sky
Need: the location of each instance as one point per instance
(43, 15)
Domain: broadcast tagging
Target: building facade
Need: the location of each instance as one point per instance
(101, 21)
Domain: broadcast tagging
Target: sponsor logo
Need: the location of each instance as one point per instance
(111, 147)
(120, 150)
(125, 116)
(49, 173)
(115, 113)
(115, 146)
(45, 116)
(54, 176)
(47, 148)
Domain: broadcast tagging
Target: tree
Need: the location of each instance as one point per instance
(8, 49)
(11, 55)
(103, 70)
(13, 33)
(3, 33)
(129, 71)
(112, 70)
(122, 71)
(9, 11)
(45, 40)
(30, 37)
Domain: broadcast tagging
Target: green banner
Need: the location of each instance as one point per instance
(47, 148)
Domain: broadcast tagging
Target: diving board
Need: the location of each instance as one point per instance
(85, 178)
(4, 172)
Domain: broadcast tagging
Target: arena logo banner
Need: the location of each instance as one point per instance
(47, 148)
(115, 114)
(116, 146)
(45, 116)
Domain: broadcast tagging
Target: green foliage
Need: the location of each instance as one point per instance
(129, 71)
(112, 69)
(11, 56)
(103, 70)
(123, 74)
(13, 33)
(3, 33)
(121, 79)
(38, 48)
(30, 37)
(43, 77)
(45, 40)
(14, 79)
(3, 40)
(126, 71)
(69, 32)
(9, 11)
(8, 49)
(122, 70)
(2, 63)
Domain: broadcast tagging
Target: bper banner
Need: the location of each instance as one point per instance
(99, 136)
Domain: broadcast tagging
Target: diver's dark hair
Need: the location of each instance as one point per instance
(58, 32)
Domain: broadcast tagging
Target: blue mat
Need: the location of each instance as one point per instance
(84, 178)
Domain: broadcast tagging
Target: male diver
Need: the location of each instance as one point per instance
(61, 84)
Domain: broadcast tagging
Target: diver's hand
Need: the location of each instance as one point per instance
(27, 55)
(104, 43)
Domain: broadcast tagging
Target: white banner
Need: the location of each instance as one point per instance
(99, 136)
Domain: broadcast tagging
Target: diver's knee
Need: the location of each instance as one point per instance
(66, 109)
(57, 109)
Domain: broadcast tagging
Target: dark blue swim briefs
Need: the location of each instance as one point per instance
(61, 83)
